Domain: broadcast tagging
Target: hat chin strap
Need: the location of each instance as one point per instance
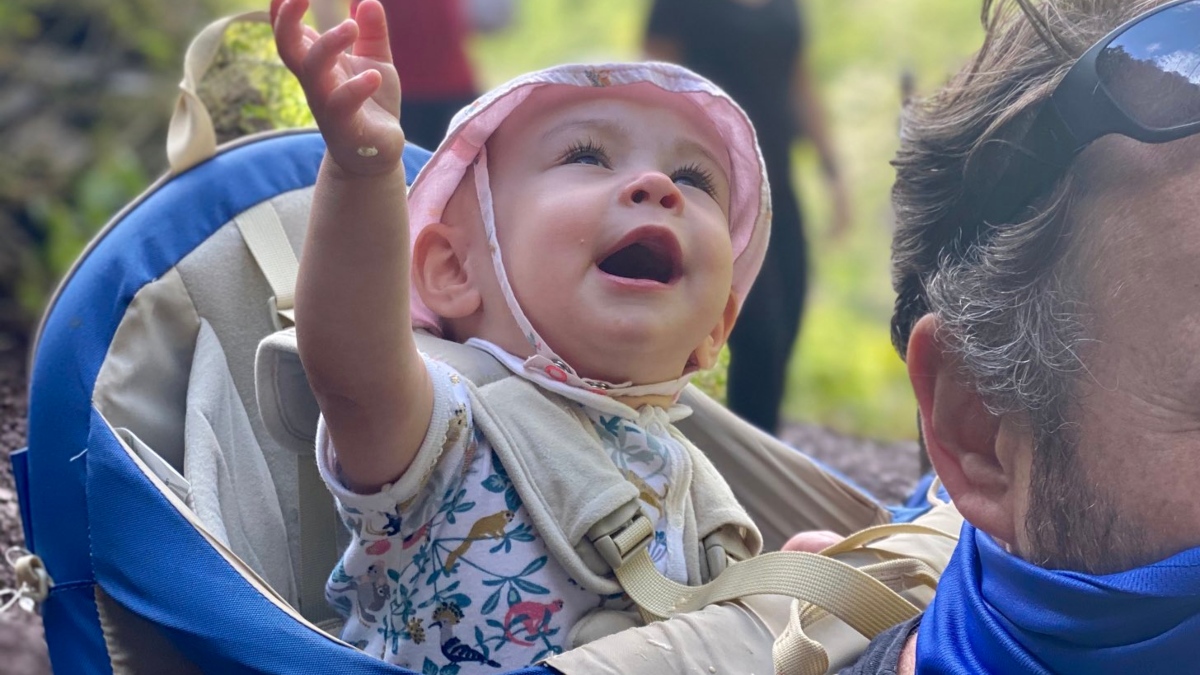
(545, 367)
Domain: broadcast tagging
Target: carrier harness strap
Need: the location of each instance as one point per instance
(476, 365)
(268, 243)
(867, 599)
(860, 600)
(270, 247)
(794, 653)
(318, 544)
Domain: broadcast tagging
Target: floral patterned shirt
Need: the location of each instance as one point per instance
(445, 573)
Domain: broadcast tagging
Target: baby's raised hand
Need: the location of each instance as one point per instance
(355, 96)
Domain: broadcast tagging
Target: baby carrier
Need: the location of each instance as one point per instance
(169, 494)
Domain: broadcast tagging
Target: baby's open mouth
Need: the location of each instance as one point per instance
(645, 254)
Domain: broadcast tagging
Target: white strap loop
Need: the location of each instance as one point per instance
(190, 136)
(33, 582)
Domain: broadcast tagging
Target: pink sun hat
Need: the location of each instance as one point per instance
(750, 199)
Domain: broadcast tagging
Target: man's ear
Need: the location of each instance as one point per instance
(706, 354)
(440, 275)
(964, 440)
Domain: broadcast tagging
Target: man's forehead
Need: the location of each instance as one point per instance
(1118, 164)
(1138, 224)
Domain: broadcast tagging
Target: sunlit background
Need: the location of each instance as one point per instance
(86, 88)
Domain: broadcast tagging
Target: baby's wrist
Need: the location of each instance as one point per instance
(364, 167)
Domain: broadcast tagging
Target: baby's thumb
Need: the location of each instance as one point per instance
(812, 542)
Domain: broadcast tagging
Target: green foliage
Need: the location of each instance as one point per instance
(94, 197)
(845, 373)
(713, 381)
(248, 89)
(548, 32)
(18, 22)
(87, 88)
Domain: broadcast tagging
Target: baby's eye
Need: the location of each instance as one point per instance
(695, 176)
(587, 152)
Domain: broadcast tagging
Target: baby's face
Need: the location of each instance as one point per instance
(612, 215)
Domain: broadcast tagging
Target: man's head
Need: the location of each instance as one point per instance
(1056, 359)
(603, 222)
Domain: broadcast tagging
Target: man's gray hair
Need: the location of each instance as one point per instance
(1012, 301)
(1009, 301)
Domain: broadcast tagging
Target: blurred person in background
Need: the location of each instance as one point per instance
(429, 49)
(756, 51)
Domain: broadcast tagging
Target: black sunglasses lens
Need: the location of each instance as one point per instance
(1152, 70)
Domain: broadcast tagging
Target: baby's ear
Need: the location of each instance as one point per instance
(706, 354)
(439, 275)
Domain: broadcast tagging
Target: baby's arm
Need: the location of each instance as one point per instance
(353, 323)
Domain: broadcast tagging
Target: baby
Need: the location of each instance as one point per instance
(595, 230)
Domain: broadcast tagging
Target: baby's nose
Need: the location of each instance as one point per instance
(653, 188)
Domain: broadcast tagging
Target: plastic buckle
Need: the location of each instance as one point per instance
(619, 545)
(280, 317)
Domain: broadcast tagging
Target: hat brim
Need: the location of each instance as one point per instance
(749, 207)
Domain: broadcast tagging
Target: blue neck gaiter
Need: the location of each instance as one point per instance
(996, 613)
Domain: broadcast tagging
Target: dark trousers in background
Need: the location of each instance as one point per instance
(766, 329)
(425, 122)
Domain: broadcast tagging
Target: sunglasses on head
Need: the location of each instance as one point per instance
(1141, 81)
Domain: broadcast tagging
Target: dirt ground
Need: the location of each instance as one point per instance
(886, 470)
(22, 647)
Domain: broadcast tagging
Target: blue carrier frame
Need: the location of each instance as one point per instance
(89, 512)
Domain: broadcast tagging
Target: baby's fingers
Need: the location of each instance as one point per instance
(373, 36)
(287, 21)
(323, 55)
(349, 96)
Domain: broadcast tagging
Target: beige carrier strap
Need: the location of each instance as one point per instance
(752, 634)
(873, 534)
(795, 653)
(190, 136)
(867, 599)
(319, 552)
(268, 242)
(477, 365)
(862, 601)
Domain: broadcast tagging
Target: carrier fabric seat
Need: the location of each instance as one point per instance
(130, 568)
